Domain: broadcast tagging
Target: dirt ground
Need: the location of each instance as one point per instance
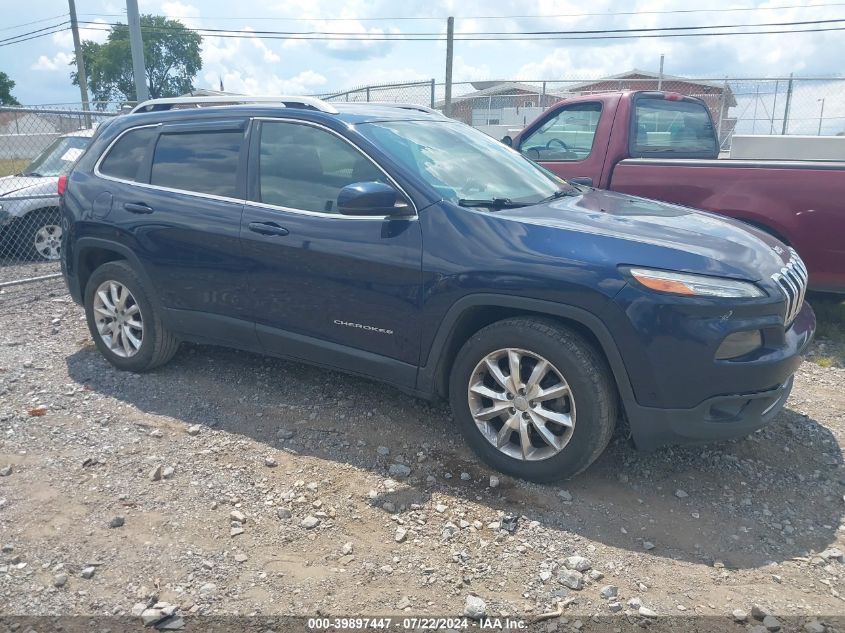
(251, 485)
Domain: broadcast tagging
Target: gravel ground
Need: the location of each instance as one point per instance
(228, 484)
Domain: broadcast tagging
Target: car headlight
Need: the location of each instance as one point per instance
(694, 285)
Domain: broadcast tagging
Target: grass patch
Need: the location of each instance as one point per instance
(9, 167)
(830, 330)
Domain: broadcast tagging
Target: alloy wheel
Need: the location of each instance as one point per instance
(521, 404)
(118, 318)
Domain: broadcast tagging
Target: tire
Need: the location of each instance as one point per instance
(577, 376)
(156, 345)
(38, 236)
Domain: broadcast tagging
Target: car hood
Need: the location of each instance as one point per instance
(28, 185)
(731, 248)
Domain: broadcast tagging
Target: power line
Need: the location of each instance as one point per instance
(492, 17)
(17, 26)
(46, 28)
(401, 36)
(34, 37)
(408, 38)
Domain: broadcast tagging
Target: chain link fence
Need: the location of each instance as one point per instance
(37, 145)
(787, 105)
(40, 143)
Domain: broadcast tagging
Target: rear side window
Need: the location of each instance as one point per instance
(672, 127)
(203, 162)
(125, 160)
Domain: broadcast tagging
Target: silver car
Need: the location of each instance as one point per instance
(29, 202)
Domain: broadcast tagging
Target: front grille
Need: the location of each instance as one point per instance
(792, 281)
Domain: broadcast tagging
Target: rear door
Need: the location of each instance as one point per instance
(563, 141)
(334, 289)
(178, 197)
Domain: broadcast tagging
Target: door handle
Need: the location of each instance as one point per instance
(267, 228)
(137, 207)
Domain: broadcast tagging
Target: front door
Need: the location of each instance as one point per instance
(338, 290)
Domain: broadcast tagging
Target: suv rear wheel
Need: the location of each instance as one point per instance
(123, 321)
(533, 399)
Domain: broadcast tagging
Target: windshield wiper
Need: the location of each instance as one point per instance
(560, 193)
(492, 203)
(34, 174)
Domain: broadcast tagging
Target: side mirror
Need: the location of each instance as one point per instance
(370, 198)
(507, 140)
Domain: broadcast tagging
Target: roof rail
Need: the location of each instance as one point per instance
(406, 106)
(157, 105)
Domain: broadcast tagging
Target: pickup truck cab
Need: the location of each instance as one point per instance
(397, 244)
(663, 146)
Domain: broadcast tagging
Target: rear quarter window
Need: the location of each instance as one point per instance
(125, 159)
(665, 128)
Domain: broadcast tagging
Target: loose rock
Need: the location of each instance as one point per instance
(310, 522)
(571, 578)
(475, 608)
(399, 470)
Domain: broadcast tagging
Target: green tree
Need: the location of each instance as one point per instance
(171, 55)
(6, 86)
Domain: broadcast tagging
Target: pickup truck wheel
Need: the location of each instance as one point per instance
(533, 399)
(123, 321)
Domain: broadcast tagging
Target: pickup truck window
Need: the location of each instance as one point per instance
(304, 167)
(568, 135)
(460, 162)
(664, 127)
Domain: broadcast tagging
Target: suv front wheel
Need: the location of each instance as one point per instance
(125, 325)
(533, 399)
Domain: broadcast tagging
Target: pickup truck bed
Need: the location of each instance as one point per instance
(791, 200)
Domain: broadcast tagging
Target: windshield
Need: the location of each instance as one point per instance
(58, 158)
(460, 162)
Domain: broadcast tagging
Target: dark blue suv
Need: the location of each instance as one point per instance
(394, 243)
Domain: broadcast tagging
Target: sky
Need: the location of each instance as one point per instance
(40, 67)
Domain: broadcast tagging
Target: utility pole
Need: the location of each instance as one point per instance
(136, 44)
(660, 77)
(450, 44)
(81, 77)
(786, 107)
(821, 115)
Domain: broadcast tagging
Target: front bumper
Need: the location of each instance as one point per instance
(718, 418)
(728, 415)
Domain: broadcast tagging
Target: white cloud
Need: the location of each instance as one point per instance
(60, 61)
(305, 82)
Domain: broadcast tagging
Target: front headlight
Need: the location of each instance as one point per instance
(694, 285)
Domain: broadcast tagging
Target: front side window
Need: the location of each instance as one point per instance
(568, 135)
(665, 127)
(460, 162)
(125, 160)
(304, 167)
(202, 162)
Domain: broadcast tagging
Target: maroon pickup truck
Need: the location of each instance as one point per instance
(663, 145)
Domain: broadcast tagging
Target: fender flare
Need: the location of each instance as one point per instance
(428, 373)
(83, 243)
